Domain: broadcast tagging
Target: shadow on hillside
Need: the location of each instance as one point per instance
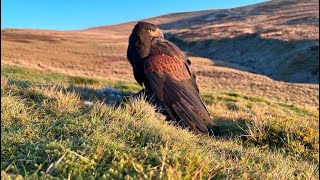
(226, 128)
(85, 93)
(289, 61)
(92, 95)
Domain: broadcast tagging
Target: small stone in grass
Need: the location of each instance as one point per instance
(87, 103)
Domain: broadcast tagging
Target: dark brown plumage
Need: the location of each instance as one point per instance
(163, 69)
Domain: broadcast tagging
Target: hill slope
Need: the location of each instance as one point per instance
(68, 128)
(266, 38)
(279, 38)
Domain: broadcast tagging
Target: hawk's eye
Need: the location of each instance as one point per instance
(151, 30)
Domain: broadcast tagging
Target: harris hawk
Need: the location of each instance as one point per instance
(163, 69)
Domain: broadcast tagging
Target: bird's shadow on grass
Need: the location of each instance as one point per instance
(85, 93)
(220, 128)
(228, 128)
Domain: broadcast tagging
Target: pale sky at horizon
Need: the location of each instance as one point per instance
(82, 14)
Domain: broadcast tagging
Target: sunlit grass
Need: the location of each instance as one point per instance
(48, 131)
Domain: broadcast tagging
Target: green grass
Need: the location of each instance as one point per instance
(32, 76)
(48, 132)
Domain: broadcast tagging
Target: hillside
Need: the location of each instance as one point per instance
(261, 38)
(279, 39)
(68, 109)
(68, 128)
(99, 57)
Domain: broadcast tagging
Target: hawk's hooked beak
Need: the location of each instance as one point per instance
(157, 33)
(161, 35)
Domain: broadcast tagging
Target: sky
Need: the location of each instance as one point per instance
(82, 14)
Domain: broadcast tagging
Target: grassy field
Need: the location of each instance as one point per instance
(49, 130)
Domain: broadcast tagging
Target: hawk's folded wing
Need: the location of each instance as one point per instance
(171, 81)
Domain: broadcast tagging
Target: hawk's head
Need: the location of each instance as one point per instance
(145, 32)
